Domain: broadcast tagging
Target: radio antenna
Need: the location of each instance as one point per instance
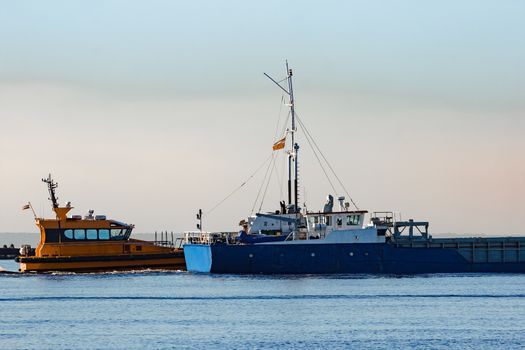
(51, 186)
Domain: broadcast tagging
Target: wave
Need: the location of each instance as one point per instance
(95, 273)
(114, 272)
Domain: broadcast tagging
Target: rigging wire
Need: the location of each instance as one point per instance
(267, 184)
(316, 156)
(238, 188)
(283, 174)
(267, 178)
(283, 79)
(286, 123)
(262, 184)
(280, 179)
(279, 118)
(274, 155)
(322, 155)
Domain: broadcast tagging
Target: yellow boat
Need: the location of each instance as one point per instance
(92, 243)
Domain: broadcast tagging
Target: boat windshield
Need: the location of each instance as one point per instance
(120, 231)
(119, 234)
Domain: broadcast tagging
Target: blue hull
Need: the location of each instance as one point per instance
(373, 258)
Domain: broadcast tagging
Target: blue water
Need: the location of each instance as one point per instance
(163, 310)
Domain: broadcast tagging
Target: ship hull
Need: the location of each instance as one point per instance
(171, 261)
(362, 258)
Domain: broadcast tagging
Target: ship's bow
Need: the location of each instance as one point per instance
(198, 257)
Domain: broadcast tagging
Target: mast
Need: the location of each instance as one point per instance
(293, 147)
(293, 166)
(292, 131)
(51, 186)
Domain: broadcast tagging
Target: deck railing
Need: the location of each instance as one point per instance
(198, 237)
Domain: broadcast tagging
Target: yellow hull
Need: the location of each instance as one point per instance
(102, 263)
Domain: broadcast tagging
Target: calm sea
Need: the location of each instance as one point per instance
(165, 310)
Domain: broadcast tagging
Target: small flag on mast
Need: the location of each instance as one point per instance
(27, 206)
(279, 144)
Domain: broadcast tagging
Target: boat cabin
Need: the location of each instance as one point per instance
(324, 223)
(274, 223)
(71, 231)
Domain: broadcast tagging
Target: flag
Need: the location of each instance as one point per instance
(279, 144)
(27, 206)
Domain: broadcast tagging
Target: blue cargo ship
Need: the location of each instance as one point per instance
(293, 240)
(374, 249)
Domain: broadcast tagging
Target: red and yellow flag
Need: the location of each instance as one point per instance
(279, 144)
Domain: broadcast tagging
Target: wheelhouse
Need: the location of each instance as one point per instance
(115, 231)
(331, 221)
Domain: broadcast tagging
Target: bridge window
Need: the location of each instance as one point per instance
(53, 235)
(103, 234)
(92, 234)
(68, 234)
(352, 220)
(339, 221)
(313, 220)
(117, 233)
(80, 234)
(328, 220)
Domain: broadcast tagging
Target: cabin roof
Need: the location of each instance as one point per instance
(70, 223)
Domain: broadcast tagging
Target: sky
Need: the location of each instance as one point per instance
(147, 111)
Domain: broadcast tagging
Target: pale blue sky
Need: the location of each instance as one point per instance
(451, 49)
(171, 94)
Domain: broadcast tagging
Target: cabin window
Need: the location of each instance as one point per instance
(91, 234)
(352, 220)
(328, 220)
(53, 235)
(339, 221)
(80, 234)
(117, 233)
(68, 234)
(103, 234)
